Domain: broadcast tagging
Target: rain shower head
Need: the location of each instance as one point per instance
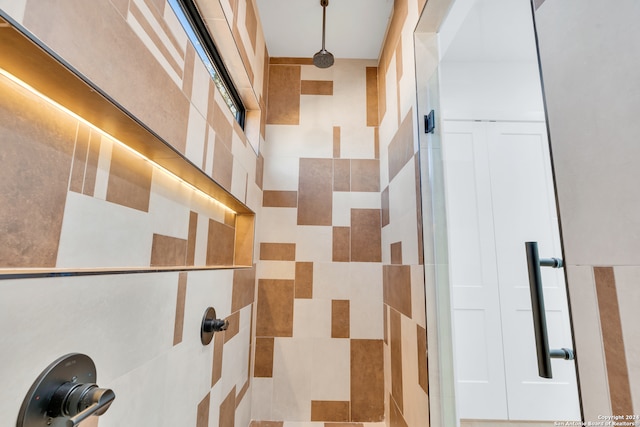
(323, 58)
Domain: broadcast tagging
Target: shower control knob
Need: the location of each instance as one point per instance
(210, 325)
(65, 394)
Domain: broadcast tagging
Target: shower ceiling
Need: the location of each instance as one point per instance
(355, 28)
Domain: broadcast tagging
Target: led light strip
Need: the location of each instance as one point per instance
(64, 109)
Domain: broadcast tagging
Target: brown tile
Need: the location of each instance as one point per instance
(316, 87)
(278, 251)
(228, 410)
(304, 280)
(91, 170)
(396, 419)
(343, 425)
(180, 304)
(366, 239)
(329, 410)
(37, 149)
(266, 424)
(218, 350)
(315, 192)
(291, 61)
(372, 96)
(395, 342)
(341, 244)
(168, 251)
(365, 175)
(122, 6)
(280, 199)
(367, 381)
(92, 35)
(251, 24)
(340, 321)
(187, 74)
(242, 393)
(245, 233)
(220, 244)
(79, 158)
(244, 288)
(396, 253)
(284, 95)
(419, 210)
(259, 170)
(275, 308)
(234, 326)
(222, 164)
(401, 147)
(129, 180)
(613, 341)
(191, 239)
(336, 142)
(423, 377)
(396, 283)
(342, 175)
(384, 204)
(202, 417)
(394, 33)
(159, 7)
(263, 367)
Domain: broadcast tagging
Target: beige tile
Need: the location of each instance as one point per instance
(275, 308)
(284, 94)
(367, 380)
(278, 251)
(316, 87)
(312, 318)
(365, 235)
(315, 192)
(329, 376)
(291, 386)
(329, 410)
(263, 367)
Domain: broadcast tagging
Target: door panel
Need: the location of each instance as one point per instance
(499, 195)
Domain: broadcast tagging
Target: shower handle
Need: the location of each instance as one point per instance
(544, 354)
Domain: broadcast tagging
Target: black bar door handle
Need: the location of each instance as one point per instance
(537, 309)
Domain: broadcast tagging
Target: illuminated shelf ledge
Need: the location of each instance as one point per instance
(26, 62)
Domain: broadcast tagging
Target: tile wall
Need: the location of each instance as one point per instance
(341, 330)
(71, 198)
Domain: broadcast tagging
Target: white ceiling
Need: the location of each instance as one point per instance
(354, 28)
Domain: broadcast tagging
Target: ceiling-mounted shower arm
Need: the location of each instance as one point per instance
(324, 4)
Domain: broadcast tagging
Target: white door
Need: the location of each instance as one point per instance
(499, 194)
